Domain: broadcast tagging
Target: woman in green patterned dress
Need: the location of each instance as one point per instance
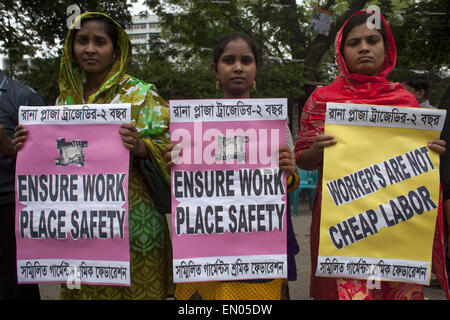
(93, 67)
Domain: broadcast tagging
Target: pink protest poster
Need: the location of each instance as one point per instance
(228, 194)
(72, 196)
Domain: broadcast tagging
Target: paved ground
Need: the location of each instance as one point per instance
(299, 290)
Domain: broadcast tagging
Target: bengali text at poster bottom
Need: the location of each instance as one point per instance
(374, 269)
(69, 270)
(230, 268)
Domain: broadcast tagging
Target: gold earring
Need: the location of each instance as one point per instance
(254, 85)
(217, 83)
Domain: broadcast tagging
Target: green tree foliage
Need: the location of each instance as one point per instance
(421, 31)
(28, 27)
(294, 52)
(42, 76)
(25, 24)
(282, 28)
(180, 64)
(197, 80)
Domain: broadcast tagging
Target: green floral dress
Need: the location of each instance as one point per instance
(150, 247)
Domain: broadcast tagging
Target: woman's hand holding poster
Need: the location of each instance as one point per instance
(72, 195)
(228, 194)
(380, 193)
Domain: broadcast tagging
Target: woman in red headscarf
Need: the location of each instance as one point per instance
(364, 57)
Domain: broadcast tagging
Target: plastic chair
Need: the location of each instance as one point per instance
(308, 181)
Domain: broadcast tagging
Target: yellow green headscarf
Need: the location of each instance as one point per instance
(71, 76)
(149, 112)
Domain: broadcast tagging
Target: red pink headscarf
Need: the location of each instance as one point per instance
(358, 88)
(353, 88)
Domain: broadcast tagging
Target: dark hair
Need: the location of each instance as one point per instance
(220, 47)
(358, 20)
(418, 83)
(110, 28)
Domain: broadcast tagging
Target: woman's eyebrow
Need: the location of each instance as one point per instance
(353, 39)
(356, 38)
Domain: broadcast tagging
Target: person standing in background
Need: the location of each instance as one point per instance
(13, 94)
(445, 173)
(419, 87)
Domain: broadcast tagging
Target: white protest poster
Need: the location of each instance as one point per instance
(228, 193)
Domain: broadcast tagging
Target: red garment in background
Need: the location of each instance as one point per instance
(361, 89)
